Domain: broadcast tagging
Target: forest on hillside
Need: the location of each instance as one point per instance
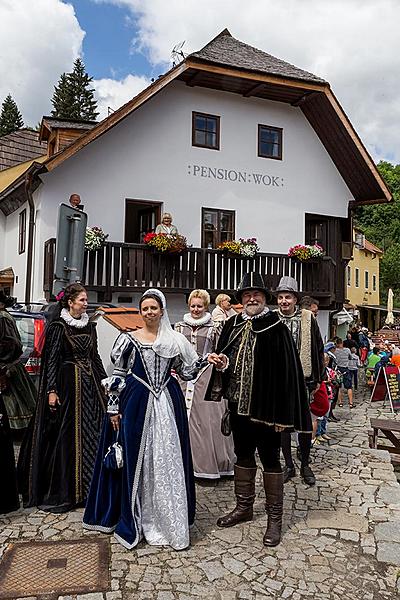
(381, 225)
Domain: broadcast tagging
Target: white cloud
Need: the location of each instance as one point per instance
(111, 93)
(354, 44)
(39, 41)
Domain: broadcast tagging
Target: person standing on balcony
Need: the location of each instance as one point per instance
(166, 225)
(19, 393)
(212, 452)
(223, 308)
(57, 454)
(307, 338)
(261, 376)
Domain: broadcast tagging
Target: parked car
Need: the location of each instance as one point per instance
(31, 327)
(31, 322)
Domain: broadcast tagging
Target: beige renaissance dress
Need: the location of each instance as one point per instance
(212, 452)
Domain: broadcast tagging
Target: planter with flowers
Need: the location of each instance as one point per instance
(95, 238)
(306, 252)
(166, 244)
(246, 248)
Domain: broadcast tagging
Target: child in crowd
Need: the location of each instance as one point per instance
(354, 364)
(332, 385)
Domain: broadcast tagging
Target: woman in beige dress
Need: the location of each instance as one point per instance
(212, 452)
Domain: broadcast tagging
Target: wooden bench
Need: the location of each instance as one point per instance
(389, 428)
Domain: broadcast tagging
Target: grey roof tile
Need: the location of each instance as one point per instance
(226, 50)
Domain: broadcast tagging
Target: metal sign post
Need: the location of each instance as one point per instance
(70, 247)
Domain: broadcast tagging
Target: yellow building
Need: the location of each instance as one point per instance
(362, 275)
(362, 279)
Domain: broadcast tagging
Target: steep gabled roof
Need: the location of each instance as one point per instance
(226, 50)
(20, 146)
(229, 65)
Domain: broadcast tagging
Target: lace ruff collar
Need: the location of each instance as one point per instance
(296, 314)
(247, 317)
(189, 320)
(78, 323)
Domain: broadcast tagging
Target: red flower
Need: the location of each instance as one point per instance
(149, 236)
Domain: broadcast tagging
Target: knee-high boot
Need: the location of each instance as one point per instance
(245, 491)
(273, 486)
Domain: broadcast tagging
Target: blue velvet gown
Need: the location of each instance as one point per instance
(153, 495)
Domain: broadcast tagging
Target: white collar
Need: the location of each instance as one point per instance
(247, 317)
(189, 320)
(70, 320)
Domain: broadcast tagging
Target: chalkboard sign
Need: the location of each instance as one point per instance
(387, 384)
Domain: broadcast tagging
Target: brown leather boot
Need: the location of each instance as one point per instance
(245, 491)
(273, 486)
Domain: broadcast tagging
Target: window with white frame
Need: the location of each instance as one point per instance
(348, 275)
(374, 283)
(366, 280)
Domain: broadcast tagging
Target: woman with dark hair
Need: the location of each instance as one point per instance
(19, 393)
(57, 455)
(152, 494)
(10, 351)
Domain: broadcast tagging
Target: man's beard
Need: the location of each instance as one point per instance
(254, 309)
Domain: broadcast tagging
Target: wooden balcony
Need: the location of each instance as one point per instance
(127, 268)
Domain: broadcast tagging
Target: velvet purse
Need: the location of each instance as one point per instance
(226, 428)
(113, 459)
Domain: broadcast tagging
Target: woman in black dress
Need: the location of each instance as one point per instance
(57, 456)
(10, 351)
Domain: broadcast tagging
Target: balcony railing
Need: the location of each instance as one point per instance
(120, 267)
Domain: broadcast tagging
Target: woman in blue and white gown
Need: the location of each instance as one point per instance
(153, 494)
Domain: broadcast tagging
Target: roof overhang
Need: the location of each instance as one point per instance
(12, 183)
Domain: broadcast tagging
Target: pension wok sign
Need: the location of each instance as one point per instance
(234, 175)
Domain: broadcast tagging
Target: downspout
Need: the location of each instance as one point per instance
(31, 232)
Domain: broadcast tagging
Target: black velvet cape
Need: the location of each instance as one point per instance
(279, 394)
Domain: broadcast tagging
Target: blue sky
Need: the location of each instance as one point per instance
(107, 46)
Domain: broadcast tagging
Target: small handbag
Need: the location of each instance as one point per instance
(113, 459)
(226, 427)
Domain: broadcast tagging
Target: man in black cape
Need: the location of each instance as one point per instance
(261, 376)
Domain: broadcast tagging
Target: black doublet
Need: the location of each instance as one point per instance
(270, 366)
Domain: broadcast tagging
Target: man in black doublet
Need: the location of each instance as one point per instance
(262, 378)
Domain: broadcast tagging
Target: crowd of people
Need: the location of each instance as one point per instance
(194, 402)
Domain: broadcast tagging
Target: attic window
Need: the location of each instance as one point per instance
(205, 131)
(270, 142)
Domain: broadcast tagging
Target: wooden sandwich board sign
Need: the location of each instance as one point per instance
(387, 384)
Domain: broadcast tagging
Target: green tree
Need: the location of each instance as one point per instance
(381, 225)
(73, 98)
(10, 117)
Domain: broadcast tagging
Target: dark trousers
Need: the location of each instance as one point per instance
(354, 374)
(249, 436)
(304, 444)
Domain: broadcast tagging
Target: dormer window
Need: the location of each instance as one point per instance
(205, 131)
(270, 142)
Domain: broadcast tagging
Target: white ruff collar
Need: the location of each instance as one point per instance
(247, 317)
(189, 320)
(78, 323)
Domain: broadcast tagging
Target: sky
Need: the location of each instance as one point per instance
(354, 44)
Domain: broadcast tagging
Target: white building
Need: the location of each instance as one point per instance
(234, 143)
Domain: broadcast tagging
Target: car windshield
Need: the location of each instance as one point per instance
(26, 331)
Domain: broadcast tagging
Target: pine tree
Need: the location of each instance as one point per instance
(10, 117)
(62, 99)
(73, 98)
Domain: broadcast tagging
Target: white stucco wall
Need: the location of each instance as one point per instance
(149, 156)
(11, 257)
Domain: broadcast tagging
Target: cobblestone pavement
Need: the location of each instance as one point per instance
(341, 538)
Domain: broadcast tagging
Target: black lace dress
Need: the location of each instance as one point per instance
(58, 454)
